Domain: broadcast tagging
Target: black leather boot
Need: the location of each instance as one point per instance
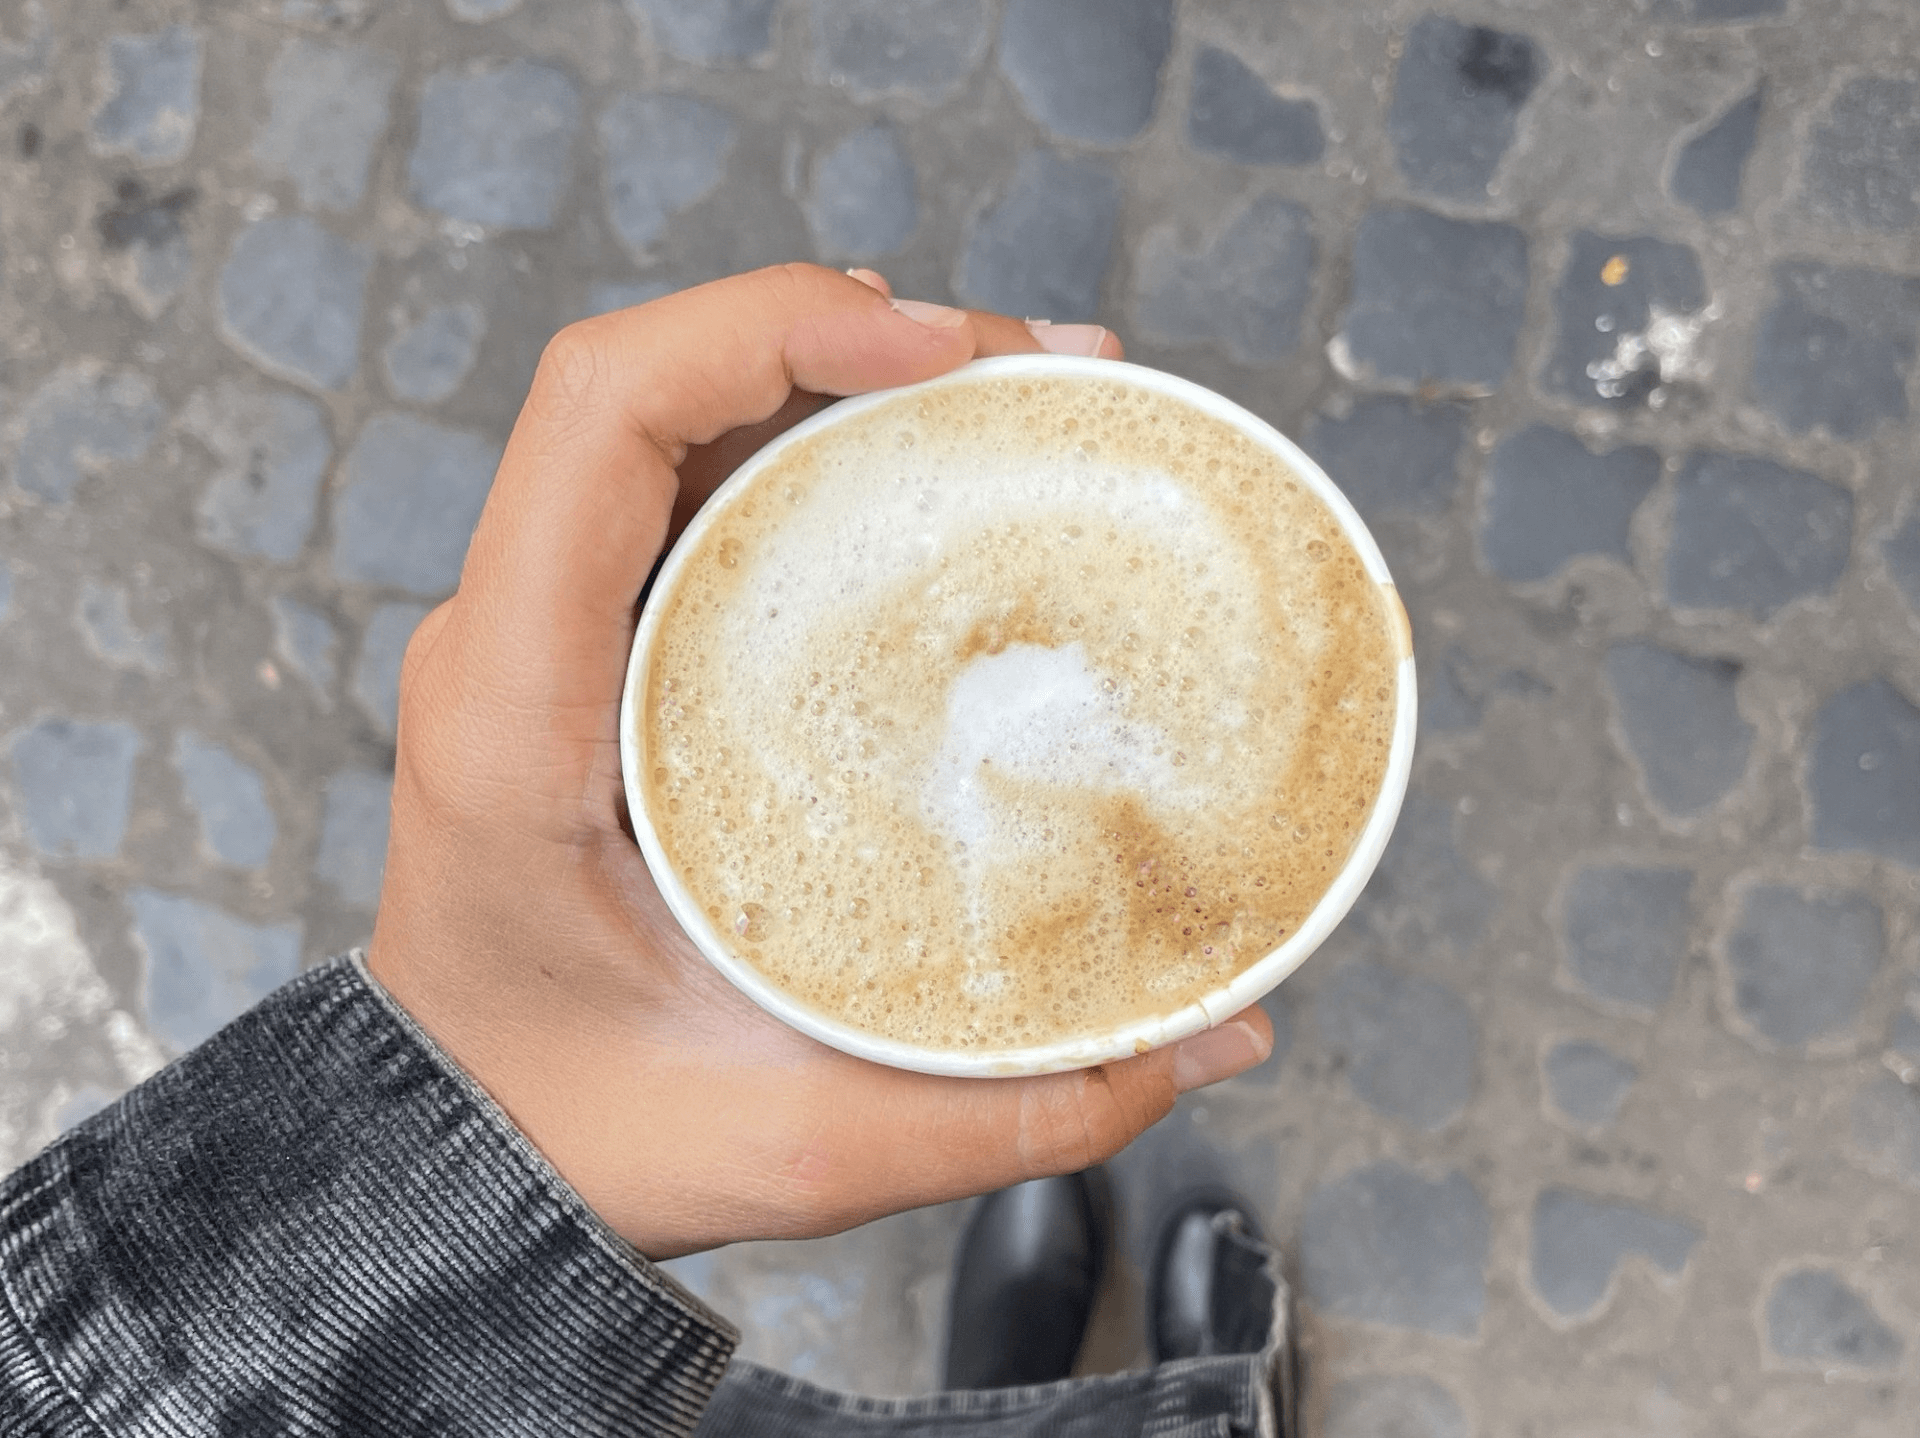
(1024, 1283)
(1213, 1284)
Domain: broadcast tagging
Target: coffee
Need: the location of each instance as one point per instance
(1016, 709)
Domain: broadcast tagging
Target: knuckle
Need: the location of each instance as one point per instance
(573, 367)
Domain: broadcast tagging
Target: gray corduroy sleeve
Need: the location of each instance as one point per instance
(315, 1223)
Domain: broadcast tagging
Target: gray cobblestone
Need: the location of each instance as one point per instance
(1424, 900)
(1682, 724)
(412, 494)
(236, 822)
(663, 153)
(864, 202)
(1087, 69)
(478, 12)
(330, 105)
(152, 101)
(1863, 157)
(1802, 963)
(1385, 1245)
(1886, 1118)
(708, 32)
(1391, 455)
(1623, 307)
(1405, 1043)
(353, 835)
(1814, 1318)
(106, 621)
(6, 588)
(1751, 534)
(1393, 1405)
(427, 361)
(495, 144)
(1435, 300)
(83, 419)
(145, 238)
(1550, 499)
(1863, 774)
(1042, 251)
(203, 965)
(306, 639)
(1587, 1081)
(1836, 347)
(922, 48)
(1625, 931)
(271, 451)
(1447, 705)
(376, 674)
(291, 299)
(1901, 550)
(1232, 113)
(1708, 171)
(1245, 292)
(1735, 11)
(623, 294)
(1904, 1038)
(1457, 97)
(73, 784)
(1579, 1243)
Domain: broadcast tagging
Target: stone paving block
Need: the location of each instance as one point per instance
(1814, 1318)
(72, 784)
(1802, 963)
(305, 638)
(623, 294)
(1625, 931)
(496, 144)
(376, 675)
(329, 110)
(1393, 1405)
(271, 451)
(1886, 1122)
(864, 202)
(1863, 774)
(1836, 347)
(478, 12)
(1579, 1243)
(291, 299)
(1682, 724)
(1629, 314)
(412, 494)
(707, 32)
(1087, 69)
(1447, 705)
(1901, 550)
(6, 588)
(1391, 455)
(332, 16)
(1712, 11)
(1246, 291)
(1435, 300)
(204, 967)
(228, 797)
(1550, 498)
(1425, 899)
(1905, 1035)
(353, 835)
(149, 229)
(427, 361)
(1751, 534)
(663, 153)
(1042, 251)
(1385, 1245)
(1708, 170)
(82, 419)
(107, 623)
(1587, 1081)
(1457, 97)
(922, 48)
(152, 104)
(1406, 1043)
(1232, 113)
(1862, 165)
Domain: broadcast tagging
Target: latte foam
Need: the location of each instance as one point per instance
(1016, 709)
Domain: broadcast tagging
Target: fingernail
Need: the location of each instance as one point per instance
(1217, 1054)
(938, 317)
(1083, 340)
(872, 279)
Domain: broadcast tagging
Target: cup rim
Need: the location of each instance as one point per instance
(1139, 1035)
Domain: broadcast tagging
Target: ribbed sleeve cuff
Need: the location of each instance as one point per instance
(316, 1223)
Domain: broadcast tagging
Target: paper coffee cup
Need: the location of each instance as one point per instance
(1137, 1035)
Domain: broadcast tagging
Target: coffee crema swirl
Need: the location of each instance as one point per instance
(1015, 710)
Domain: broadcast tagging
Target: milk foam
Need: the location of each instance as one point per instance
(1016, 710)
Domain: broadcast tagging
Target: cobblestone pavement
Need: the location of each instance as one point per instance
(1599, 1116)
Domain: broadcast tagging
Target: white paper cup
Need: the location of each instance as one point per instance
(1134, 1037)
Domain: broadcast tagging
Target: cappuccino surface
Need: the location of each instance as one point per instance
(1015, 710)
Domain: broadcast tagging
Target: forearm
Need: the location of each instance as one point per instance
(314, 1223)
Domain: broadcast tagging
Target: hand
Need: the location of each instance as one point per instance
(518, 922)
